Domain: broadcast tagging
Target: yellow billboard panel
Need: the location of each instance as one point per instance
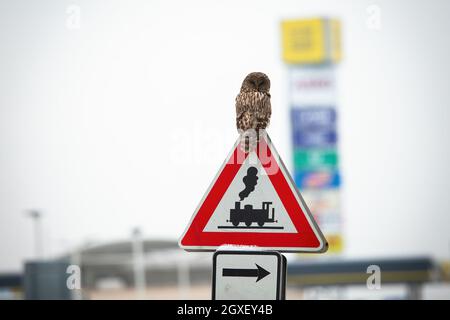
(311, 41)
(335, 40)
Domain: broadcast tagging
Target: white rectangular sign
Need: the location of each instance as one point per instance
(312, 86)
(248, 275)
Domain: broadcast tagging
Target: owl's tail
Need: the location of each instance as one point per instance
(249, 140)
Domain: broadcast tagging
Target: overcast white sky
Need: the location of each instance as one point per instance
(103, 128)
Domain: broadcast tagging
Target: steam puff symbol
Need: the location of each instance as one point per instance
(250, 181)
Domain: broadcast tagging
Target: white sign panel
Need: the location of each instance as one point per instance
(312, 86)
(247, 275)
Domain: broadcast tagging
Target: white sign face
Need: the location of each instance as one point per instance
(278, 219)
(247, 275)
(312, 86)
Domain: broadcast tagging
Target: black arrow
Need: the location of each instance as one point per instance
(259, 273)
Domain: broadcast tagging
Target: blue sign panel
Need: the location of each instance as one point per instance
(313, 119)
(314, 139)
(314, 127)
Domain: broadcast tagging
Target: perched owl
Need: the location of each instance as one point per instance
(253, 109)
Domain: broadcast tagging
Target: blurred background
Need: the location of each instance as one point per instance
(116, 115)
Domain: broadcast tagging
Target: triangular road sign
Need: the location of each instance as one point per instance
(253, 201)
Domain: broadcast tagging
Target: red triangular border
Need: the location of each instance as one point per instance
(308, 239)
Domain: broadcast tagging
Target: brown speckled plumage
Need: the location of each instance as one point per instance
(253, 109)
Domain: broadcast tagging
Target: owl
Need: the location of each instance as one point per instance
(253, 109)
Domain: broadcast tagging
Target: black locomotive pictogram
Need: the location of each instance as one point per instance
(249, 215)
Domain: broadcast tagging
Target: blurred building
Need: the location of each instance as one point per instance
(112, 264)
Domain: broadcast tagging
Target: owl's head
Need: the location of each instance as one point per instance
(256, 82)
